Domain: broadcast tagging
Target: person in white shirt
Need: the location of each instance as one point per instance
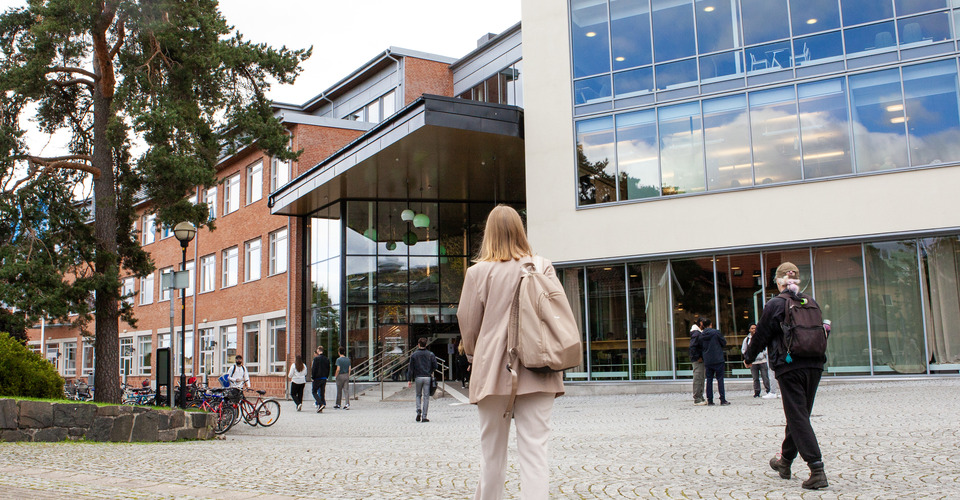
(298, 379)
(759, 367)
(237, 375)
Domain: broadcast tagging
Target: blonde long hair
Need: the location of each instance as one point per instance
(503, 237)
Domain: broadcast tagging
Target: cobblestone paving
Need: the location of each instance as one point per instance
(880, 440)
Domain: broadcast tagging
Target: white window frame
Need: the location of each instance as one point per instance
(128, 289)
(188, 350)
(146, 289)
(229, 261)
(208, 273)
(279, 252)
(127, 359)
(274, 349)
(70, 359)
(89, 353)
(149, 229)
(226, 359)
(166, 231)
(191, 283)
(252, 258)
(251, 350)
(280, 171)
(210, 198)
(208, 345)
(165, 292)
(231, 194)
(255, 182)
(144, 349)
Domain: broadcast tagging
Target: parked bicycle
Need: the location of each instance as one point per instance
(261, 411)
(214, 401)
(139, 396)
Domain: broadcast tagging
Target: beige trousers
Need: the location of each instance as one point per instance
(532, 415)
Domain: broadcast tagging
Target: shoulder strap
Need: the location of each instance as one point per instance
(513, 342)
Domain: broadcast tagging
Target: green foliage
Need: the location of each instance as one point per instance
(24, 373)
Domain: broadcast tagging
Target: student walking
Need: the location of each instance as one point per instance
(298, 379)
(319, 372)
(714, 361)
(342, 376)
(484, 314)
(759, 367)
(420, 372)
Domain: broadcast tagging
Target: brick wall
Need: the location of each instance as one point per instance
(426, 77)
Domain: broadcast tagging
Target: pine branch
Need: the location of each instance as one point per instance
(61, 162)
(67, 83)
(68, 69)
(121, 35)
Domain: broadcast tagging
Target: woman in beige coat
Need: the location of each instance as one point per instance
(483, 314)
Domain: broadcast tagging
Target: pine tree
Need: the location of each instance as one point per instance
(150, 94)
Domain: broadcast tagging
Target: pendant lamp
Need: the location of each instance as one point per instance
(421, 220)
(407, 215)
(410, 239)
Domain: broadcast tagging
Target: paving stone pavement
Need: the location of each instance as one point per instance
(880, 439)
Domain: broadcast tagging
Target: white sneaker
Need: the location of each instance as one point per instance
(769, 395)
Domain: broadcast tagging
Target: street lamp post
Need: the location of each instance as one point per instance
(184, 232)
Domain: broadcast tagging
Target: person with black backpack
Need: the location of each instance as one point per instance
(792, 330)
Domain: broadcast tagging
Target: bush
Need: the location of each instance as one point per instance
(24, 373)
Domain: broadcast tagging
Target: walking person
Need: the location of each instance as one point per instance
(484, 313)
(298, 379)
(342, 376)
(696, 361)
(759, 367)
(798, 377)
(319, 372)
(462, 365)
(238, 374)
(714, 361)
(420, 372)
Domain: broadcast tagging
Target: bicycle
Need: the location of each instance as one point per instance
(216, 403)
(261, 411)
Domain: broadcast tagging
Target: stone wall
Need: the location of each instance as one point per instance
(42, 421)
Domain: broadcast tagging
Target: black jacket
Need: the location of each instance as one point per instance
(696, 350)
(320, 368)
(770, 336)
(422, 364)
(713, 343)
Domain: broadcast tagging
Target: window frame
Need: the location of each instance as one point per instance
(147, 292)
(250, 264)
(273, 326)
(231, 193)
(210, 259)
(274, 255)
(226, 273)
(254, 177)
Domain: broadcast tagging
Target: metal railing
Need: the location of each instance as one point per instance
(382, 367)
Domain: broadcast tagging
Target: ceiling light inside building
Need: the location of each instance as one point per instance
(898, 119)
(895, 107)
(812, 20)
(591, 34)
(708, 9)
(620, 58)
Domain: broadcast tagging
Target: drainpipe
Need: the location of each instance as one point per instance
(333, 106)
(399, 80)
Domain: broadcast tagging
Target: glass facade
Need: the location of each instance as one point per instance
(891, 303)
(378, 282)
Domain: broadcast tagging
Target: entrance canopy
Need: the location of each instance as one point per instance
(437, 148)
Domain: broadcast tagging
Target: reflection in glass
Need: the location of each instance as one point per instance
(820, 48)
(681, 149)
(633, 82)
(864, 11)
(630, 33)
(637, 155)
(727, 147)
(924, 29)
(933, 118)
(717, 25)
(392, 279)
(676, 74)
(650, 338)
(721, 65)
(673, 29)
(424, 280)
(596, 165)
(871, 38)
(591, 47)
(426, 236)
(608, 322)
(361, 225)
(740, 290)
(773, 56)
(896, 322)
(824, 129)
(452, 271)
(810, 16)
(592, 90)
(941, 289)
(692, 296)
(572, 281)
(776, 140)
(839, 278)
(362, 279)
(905, 7)
(879, 136)
(764, 20)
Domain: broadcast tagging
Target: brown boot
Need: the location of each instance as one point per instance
(782, 466)
(818, 479)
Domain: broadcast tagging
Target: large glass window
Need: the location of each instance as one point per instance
(879, 134)
(870, 38)
(676, 74)
(251, 346)
(609, 358)
(362, 280)
(940, 277)
(905, 7)
(864, 11)
(693, 296)
(925, 29)
(277, 344)
(633, 82)
(740, 290)
(933, 118)
(596, 163)
(673, 29)
(630, 33)
(764, 20)
(821, 48)
(776, 138)
(810, 16)
(772, 56)
(725, 65)
(825, 129)
(637, 151)
(727, 147)
(681, 149)
(718, 26)
(591, 45)
(572, 281)
(838, 272)
(145, 353)
(896, 321)
(651, 342)
(592, 90)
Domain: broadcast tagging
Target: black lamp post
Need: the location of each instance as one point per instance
(184, 232)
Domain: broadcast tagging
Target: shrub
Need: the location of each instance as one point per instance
(24, 373)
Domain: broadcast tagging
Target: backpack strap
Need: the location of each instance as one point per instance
(513, 339)
(787, 319)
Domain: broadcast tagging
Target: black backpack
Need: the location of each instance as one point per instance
(802, 325)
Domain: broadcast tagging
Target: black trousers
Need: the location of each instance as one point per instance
(318, 388)
(296, 392)
(798, 388)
